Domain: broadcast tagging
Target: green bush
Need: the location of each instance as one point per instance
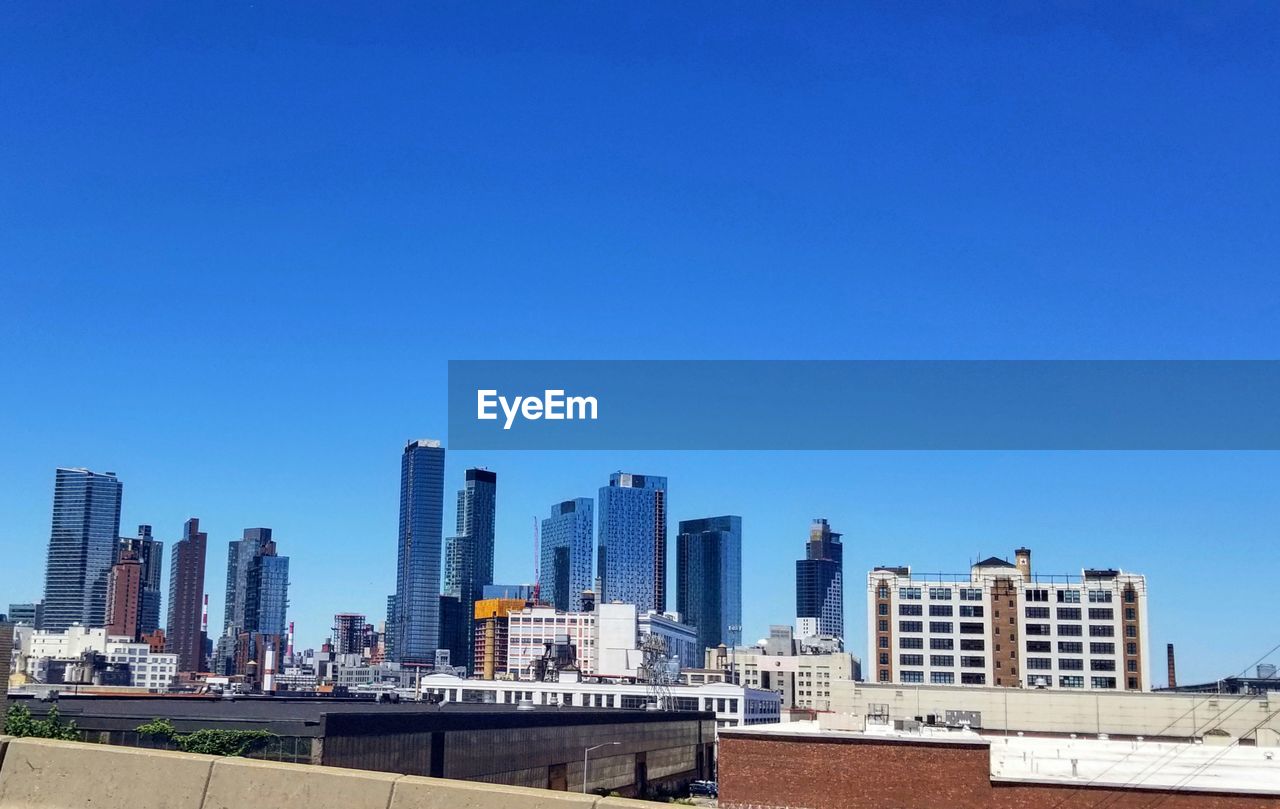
(209, 742)
(19, 722)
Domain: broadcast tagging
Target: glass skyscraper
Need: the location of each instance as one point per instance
(468, 558)
(82, 548)
(416, 628)
(564, 555)
(150, 553)
(709, 579)
(633, 541)
(257, 597)
(820, 584)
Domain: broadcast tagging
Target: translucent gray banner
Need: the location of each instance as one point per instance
(878, 405)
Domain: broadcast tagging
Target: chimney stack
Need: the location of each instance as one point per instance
(1023, 560)
(1173, 675)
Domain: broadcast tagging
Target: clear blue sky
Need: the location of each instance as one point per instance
(239, 242)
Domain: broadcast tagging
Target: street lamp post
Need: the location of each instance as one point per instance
(586, 753)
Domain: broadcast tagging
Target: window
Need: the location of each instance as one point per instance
(883, 642)
(940, 610)
(1069, 597)
(1102, 682)
(1070, 664)
(884, 658)
(1131, 665)
(971, 662)
(1068, 613)
(884, 625)
(1037, 595)
(1038, 629)
(912, 676)
(1133, 683)
(942, 678)
(972, 644)
(1131, 648)
(910, 626)
(909, 593)
(1100, 597)
(1070, 630)
(942, 660)
(1130, 614)
(1102, 665)
(970, 593)
(1131, 631)
(910, 609)
(1102, 648)
(1040, 663)
(970, 611)
(1101, 614)
(942, 643)
(1070, 647)
(882, 591)
(1071, 681)
(884, 675)
(973, 678)
(1041, 613)
(911, 643)
(911, 660)
(1102, 631)
(940, 626)
(970, 629)
(1039, 646)
(940, 593)
(882, 608)
(1130, 595)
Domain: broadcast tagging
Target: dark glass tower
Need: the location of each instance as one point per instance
(257, 596)
(633, 541)
(564, 555)
(709, 579)
(184, 635)
(416, 628)
(469, 559)
(150, 553)
(820, 585)
(82, 548)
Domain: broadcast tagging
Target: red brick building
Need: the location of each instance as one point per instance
(826, 770)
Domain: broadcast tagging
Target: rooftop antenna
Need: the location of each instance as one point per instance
(537, 573)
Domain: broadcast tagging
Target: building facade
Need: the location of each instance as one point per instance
(150, 554)
(564, 554)
(709, 579)
(820, 584)
(607, 640)
(633, 541)
(1002, 626)
(491, 631)
(82, 547)
(28, 613)
(348, 633)
(415, 630)
(184, 633)
(800, 680)
(468, 559)
(147, 669)
(124, 597)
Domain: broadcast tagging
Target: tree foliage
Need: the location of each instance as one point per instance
(19, 722)
(210, 742)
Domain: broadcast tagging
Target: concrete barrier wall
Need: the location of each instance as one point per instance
(40, 774)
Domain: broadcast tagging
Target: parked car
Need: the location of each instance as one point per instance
(703, 789)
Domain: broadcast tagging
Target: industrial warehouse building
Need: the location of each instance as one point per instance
(641, 752)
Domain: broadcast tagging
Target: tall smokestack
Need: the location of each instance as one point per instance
(1022, 557)
(288, 650)
(1173, 674)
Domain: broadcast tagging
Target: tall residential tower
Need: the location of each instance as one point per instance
(564, 563)
(820, 584)
(633, 541)
(416, 624)
(709, 579)
(82, 548)
(183, 634)
(150, 554)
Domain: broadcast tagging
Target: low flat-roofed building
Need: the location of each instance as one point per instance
(801, 765)
(657, 751)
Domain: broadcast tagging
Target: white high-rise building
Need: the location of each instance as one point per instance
(1002, 626)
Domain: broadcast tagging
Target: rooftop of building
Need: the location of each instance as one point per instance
(309, 716)
(1083, 762)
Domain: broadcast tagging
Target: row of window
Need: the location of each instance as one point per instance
(1077, 647)
(938, 677)
(966, 644)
